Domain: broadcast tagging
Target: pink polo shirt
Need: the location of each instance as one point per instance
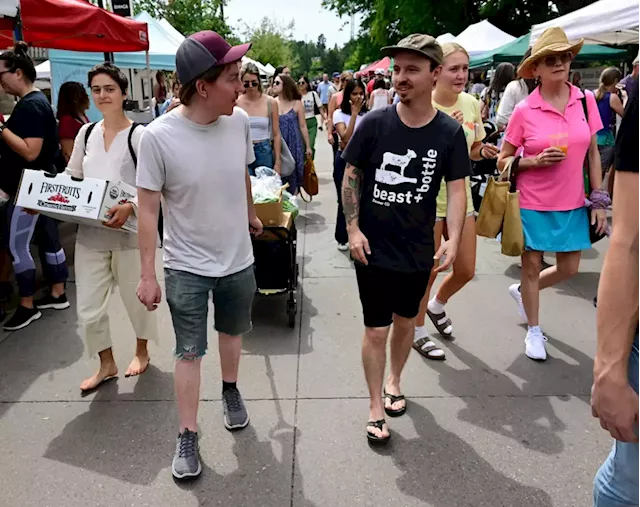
(534, 122)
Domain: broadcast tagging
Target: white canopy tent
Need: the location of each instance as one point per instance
(264, 70)
(482, 37)
(613, 22)
(446, 37)
(8, 8)
(43, 70)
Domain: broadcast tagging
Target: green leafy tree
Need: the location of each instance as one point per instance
(271, 43)
(188, 16)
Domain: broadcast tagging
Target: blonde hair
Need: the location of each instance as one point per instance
(609, 77)
(449, 48)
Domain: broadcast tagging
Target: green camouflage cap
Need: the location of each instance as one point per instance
(424, 45)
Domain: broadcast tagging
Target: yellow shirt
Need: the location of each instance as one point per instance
(473, 132)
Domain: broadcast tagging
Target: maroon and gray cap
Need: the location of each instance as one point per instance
(204, 50)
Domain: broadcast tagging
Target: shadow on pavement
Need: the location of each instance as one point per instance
(463, 479)
(534, 425)
(49, 344)
(117, 438)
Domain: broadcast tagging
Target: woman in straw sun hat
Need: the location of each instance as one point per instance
(553, 135)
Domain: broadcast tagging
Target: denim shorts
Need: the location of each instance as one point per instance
(264, 156)
(616, 483)
(188, 298)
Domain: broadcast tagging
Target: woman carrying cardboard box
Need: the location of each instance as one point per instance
(106, 258)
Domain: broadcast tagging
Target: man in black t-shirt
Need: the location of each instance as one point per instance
(396, 160)
(614, 397)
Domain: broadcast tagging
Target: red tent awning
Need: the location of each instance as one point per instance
(385, 63)
(75, 25)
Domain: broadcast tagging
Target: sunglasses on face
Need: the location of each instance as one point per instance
(277, 83)
(252, 84)
(300, 83)
(550, 61)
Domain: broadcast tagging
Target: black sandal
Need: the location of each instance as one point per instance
(390, 412)
(428, 350)
(441, 321)
(372, 437)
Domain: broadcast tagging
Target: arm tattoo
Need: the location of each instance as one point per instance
(351, 189)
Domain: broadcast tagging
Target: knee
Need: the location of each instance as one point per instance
(376, 336)
(531, 268)
(465, 274)
(189, 353)
(569, 267)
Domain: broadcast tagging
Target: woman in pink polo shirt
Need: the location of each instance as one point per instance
(550, 131)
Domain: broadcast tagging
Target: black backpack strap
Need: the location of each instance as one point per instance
(134, 157)
(585, 108)
(87, 133)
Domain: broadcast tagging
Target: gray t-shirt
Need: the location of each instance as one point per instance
(200, 170)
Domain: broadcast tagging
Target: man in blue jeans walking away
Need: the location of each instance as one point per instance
(614, 397)
(196, 157)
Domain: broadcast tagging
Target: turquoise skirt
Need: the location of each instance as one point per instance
(556, 231)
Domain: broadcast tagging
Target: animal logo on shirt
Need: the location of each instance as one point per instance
(383, 175)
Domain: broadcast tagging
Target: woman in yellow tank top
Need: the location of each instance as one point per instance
(449, 97)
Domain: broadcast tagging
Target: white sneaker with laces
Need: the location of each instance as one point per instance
(514, 292)
(534, 345)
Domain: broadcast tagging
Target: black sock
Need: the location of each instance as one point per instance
(228, 385)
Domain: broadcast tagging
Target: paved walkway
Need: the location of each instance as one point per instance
(488, 427)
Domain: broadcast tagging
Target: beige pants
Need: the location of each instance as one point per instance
(97, 273)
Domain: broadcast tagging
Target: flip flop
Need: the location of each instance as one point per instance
(441, 321)
(372, 437)
(394, 398)
(426, 348)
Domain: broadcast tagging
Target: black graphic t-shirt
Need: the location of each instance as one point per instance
(402, 170)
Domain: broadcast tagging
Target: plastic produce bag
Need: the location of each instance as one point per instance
(265, 185)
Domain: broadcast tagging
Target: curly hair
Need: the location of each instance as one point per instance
(73, 100)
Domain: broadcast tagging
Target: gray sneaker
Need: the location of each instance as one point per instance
(235, 413)
(186, 462)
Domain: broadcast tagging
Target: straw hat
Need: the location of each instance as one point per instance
(551, 42)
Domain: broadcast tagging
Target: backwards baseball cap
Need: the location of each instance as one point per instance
(419, 43)
(335, 75)
(204, 50)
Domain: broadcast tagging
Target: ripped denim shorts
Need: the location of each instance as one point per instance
(188, 299)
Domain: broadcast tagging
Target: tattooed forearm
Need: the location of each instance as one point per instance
(351, 188)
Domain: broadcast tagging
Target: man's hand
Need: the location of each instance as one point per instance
(359, 246)
(449, 249)
(118, 215)
(615, 403)
(149, 293)
(255, 226)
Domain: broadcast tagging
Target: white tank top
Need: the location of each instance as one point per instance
(380, 99)
(259, 128)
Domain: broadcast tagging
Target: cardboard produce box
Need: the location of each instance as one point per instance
(69, 199)
(270, 213)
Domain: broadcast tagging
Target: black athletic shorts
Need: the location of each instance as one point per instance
(384, 293)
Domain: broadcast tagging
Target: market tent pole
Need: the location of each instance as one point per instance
(149, 78)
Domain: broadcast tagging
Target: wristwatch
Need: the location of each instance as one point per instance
(2, 127)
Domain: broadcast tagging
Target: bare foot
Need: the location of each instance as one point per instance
(105, 372)
(138, 365)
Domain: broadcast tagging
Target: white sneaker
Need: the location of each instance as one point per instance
(343, 247)
(534, 345)
(514, 291)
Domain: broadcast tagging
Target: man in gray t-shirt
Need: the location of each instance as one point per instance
(196, 158)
